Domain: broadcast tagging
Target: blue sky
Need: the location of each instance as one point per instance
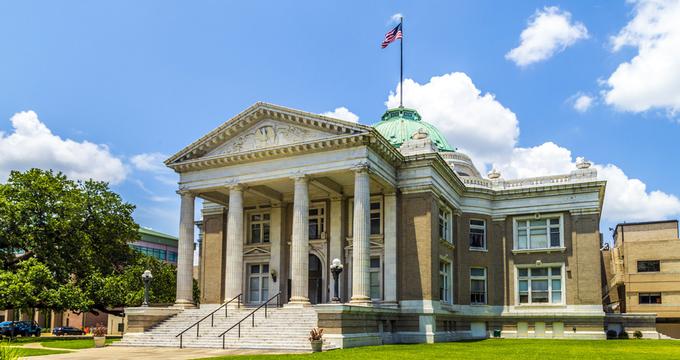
(131, 78)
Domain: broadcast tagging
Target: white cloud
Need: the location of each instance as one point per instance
(476, 123)
(626, 199)
(483, 128)
(396, 17)
(651, 79)
(152, 162)
(31, 144)
(583, 103)
(342, 113)
(549, 31)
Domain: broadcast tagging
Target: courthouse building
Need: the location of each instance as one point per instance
(432, 250)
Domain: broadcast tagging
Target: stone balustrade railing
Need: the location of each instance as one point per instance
(576, 176)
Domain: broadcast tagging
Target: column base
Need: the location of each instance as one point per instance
(298, 302)
(360, 301)
(184, 304)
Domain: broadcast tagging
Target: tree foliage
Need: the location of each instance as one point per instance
(64, 244)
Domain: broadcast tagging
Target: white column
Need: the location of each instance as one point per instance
(234, 263)
(276, 224)
(300, 243)
(360, 237)
(185, 250)
(335, 239)
(390, 224)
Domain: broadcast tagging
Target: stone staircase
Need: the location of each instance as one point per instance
(283, 329)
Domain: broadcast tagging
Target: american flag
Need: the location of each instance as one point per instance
(392, 35)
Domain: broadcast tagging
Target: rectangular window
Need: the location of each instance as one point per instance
(376, 222)
(258, 283)
(259, 228)
(539, 285)
(172, 256)
(445, 282)
(477, 285)
(374, 277)
(317, 222)
(478, 234)
(539, 233)
(445, 225)
(649, 298)
(648, 266)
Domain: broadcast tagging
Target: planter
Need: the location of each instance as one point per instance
(316, 345)
(99, 341)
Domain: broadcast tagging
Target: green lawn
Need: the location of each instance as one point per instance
(37, 352)
(72, 344)
(502, 349)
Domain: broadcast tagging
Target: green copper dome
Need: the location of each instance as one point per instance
(399, 124)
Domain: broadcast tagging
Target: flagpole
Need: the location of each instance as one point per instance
(401, 64)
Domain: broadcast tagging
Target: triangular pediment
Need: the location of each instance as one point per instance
(263, 126)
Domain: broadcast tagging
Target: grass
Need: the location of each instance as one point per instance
(500, 349)
(72, 344)
(24, 352)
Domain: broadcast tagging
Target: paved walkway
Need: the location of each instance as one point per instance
(147, 353)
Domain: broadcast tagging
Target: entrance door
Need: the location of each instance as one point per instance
(258, 283)
(315, 280)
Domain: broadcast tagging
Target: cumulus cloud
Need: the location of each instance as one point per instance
(342, 113)
(475, 123)
(31, 144)
(549, 31)
(396, 17)
(479, 125)
(152, 162)
(651, 79)
(626, 199)
(583, 102)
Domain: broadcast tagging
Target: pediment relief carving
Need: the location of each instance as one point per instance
(266, 134)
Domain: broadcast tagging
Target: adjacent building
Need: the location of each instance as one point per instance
(432, 250)
(156, 244)
(642, 273)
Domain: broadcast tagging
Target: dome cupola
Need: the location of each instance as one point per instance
(399, 124)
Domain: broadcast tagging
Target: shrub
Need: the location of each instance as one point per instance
(8, 352)
(99, 330)
(637, 334)
(315, 334)
(623, 335)
(612, 334)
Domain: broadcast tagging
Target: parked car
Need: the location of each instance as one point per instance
(20, 328)
(67, 330)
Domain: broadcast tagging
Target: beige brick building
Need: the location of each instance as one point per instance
(432, 251)
(643, 272)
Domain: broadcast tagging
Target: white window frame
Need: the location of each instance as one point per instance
(263, 277)
(528, 219)
(478, 227)
(486, 284)
(447, 277)
(261, 223)
(446, 216)
(320, 218)
(549, 278)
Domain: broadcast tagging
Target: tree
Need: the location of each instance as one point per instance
(64, 245)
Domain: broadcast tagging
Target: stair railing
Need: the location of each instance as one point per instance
(252, 316)
(197, 324)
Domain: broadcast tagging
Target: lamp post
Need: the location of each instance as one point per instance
(146, 278)
(336, 269)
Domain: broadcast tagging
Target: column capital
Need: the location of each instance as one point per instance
(300, 177)
(236, 187)
(361, 167)
(185, 192)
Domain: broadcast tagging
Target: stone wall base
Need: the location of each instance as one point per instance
(140, 319)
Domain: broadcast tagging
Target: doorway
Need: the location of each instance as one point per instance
(315, 280)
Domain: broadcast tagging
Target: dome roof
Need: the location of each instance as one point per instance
(399, 124)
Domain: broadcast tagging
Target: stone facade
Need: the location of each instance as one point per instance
(431, 251)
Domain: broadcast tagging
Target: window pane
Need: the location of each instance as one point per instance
(477, 222)
(649, 266)
(555, 221)
(556, 271)
(477, 238)
(539, 238)
(265, 269)
(375, 263)
(537, 223)
(313, 229)
(375, 284)
(523, 272)
(265, 233)
(375, 224)
(477, 285)
(254, 269)
(523, 286)
(313, 212)
(555, 237)
(265, 217)
(539, 296)
(375, 206)
(524, 298)
(539, 285)
(556, 285)
(521, 224)
(476, 272)
(539, 272)
(556, 297)
(255, 217)
(255, 233)
(522, 239)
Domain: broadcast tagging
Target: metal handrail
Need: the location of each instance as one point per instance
(252, 314)
(197, 324)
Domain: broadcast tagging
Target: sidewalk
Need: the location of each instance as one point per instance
(147, 353)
